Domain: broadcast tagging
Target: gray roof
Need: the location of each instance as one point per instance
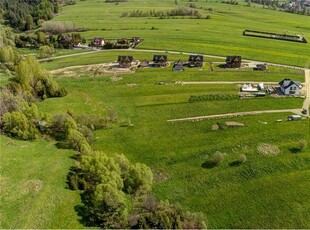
(286, 83)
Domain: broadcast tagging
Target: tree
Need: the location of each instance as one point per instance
(77, 141)
(46, 51)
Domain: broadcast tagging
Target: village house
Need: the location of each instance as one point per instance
(195, 61)
(125, 61)
(144, 63)
(233, 62)
(178, 66)
(136, 39)
(123, 41)
(160, 60)
(290, 87)
(97, 42)
(64, 40)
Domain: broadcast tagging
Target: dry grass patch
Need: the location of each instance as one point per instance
(268, 149)
(31, 185)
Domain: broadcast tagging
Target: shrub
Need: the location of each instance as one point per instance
(77, 141)
(242, 158)
(17, 125)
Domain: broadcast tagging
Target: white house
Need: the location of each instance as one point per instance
(290, 87)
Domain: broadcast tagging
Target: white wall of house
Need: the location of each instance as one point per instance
(293, 89)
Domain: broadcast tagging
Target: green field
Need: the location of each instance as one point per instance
(220, 35)
(265, 191)
(33, 186)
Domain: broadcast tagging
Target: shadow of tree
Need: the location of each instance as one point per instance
(208, 164)
(235, 164)
(295, 150)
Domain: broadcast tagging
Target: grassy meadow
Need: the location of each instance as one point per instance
(33, 186)
(268, 190)
(220, 35)
(260, 193)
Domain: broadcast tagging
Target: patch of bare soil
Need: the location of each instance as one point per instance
(268, 149)
(31, 185)
(95, 70)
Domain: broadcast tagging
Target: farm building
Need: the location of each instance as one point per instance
(290, 87)
(144, 63)
(233, 62)
(195, 61)
(160, 60)
(261, 67)
(178, 66)
(125, 61)
(248, 88)
(97, 42)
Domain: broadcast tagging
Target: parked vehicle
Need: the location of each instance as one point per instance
(294, 117)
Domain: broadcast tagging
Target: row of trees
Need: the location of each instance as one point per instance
(116, 195)
(179, 11)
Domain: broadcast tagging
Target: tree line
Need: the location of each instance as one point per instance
(26, 15)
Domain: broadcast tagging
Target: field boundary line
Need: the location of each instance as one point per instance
(237, 114)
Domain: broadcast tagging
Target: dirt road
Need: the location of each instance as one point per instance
(238, 114)
(306, 103)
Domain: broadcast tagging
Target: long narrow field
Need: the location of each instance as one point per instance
(220, 35)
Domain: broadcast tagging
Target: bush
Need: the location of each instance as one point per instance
(214, 160)
(242, 158)
(77, 141)
(17, 125)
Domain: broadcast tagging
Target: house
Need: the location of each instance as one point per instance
(178, 66)
(144, 63)
(290, 87)
(123, 41)
(77, 44)
(125, 61)
(136, 39)
(195, 61)
(261, 67)
(64, 40)
(160, 60)
(233, 62)
(97, 42)
(248, 88)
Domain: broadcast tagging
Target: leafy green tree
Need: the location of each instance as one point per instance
(46, 51)
(17, 125)
(77, 141)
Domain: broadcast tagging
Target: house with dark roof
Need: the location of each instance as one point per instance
(65, 40)
(233, 62)
(290, 87)
(178, 66)
(144, 63)
(195, 61)
(123, 41)
(125, 61)
(160, 60)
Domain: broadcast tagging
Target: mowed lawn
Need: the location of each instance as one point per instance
(267, 191)
(33, 186)
(220, 35)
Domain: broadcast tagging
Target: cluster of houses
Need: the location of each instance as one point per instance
(193, 61)
(68, 41)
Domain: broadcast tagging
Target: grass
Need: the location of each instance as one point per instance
(266, 191)
(221, 35)
(33, 188)
(224, 193)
